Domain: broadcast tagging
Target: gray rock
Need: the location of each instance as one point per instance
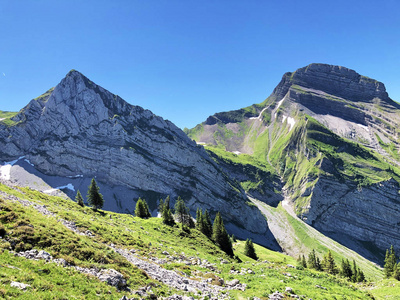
(19, 285)
(112, 277)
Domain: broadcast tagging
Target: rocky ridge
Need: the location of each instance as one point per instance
(78, 130)
(308, 130)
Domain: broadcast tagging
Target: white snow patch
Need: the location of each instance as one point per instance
(75, 176)
(27, 160)
(5, 169)
(1, 119)
(279, 104)
(236, 152)
(259, 118)
(290, 121)
(364, 127)
(68, 186)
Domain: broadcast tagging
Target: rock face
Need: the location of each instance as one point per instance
(317, 130)
(80, 130)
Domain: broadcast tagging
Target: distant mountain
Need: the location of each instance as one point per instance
(78, 130)
(331, 136)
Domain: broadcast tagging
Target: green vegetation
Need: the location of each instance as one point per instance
(79, 198)
(149, 238)
(45, 95)
(220, 235)
(142, 209)
(249, 250)
(94, 198)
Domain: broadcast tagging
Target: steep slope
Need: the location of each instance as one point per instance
(78, 130)
(332, 136)
(56, 248)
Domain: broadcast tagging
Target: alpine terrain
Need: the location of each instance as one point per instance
(78, 131)
(330, 137)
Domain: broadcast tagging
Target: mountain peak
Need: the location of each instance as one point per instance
(339, 81)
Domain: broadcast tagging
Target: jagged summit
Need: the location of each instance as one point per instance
(79, 130)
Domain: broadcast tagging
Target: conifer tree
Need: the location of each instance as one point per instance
(207, 225)
(312, 262)
(396, 272)
(182, 213)
(346, 269)
(328, 263)
(166, 203)
(360, 276)
(142, 209)
(79, 199)
(161, 207)
(166, 214)
(390, 262)
(95, 199)
(199, 219)
(167, 217)
(220, 236)
(249, 250)
(303, 261)
(355, 272)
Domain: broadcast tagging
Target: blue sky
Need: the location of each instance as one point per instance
(185, 60)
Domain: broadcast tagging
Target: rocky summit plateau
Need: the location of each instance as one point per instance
(318, 158)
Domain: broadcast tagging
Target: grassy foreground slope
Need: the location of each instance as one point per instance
(173, 249)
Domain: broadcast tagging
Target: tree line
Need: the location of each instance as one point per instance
(328, 265)
(215, 231)
(391, 268)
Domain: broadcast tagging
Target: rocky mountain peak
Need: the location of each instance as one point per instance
(335, 80)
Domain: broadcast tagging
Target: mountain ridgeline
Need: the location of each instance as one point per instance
(323, 148)
(78, 131)
(330, 137)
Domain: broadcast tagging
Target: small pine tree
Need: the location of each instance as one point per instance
(390, 262)
(142, 209)
(355, 272)
(199, 219)
(95, 199)
(249, 250)
(180, 210)
(182, 213)
(207, 225)
(161, 207)
(220, 236)
(79, 199)
(360, 276)
(328, 263)
(303, 262)
(346, 269)
(396, 272)
(312, 260)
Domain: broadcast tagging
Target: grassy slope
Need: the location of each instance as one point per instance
(149, 237)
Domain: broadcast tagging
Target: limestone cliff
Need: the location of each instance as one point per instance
(80, 130)
(332, 137)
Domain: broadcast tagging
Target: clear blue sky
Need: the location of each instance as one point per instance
(185, 60)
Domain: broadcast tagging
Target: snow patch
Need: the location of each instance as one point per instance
(236, 152)
(259, 118)
(1, 119)
(363, 126)
(75, 176)
(68, 186)
(290, 121)
(5, 169)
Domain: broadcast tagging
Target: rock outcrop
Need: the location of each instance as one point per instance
(78, 130)
(317, 130)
